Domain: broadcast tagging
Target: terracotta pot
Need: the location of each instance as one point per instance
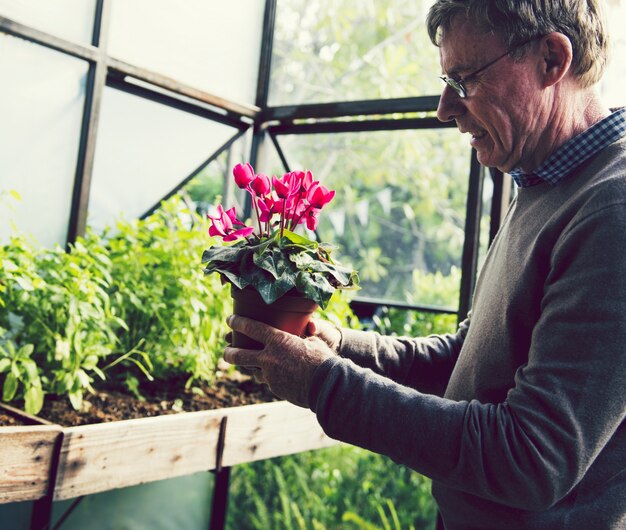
(289, 313)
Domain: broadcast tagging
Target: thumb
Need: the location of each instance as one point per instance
(311, 329)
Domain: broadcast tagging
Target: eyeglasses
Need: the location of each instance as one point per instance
(458, 85)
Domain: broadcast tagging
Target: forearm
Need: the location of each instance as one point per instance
(423, 363)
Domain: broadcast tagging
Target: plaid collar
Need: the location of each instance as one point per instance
(575, 151)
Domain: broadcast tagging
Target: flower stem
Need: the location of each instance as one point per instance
(282, 220)
(303, 214)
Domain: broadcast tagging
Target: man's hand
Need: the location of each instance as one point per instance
(326, 331)
(286, 362)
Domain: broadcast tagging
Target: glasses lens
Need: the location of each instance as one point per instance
(455, 85)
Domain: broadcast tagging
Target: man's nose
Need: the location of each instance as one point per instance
(450, 105)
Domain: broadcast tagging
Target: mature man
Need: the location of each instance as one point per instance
(518, 417)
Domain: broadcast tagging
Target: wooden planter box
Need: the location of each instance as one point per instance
(105, 456)
(27, 457)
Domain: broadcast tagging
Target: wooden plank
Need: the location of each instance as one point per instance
(26, 453)
(106, 456)
(23, 416)
(267, 430)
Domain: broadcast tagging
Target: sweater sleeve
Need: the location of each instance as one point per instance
(421, 363)
(567, 404)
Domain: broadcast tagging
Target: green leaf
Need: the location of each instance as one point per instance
(90, 362)
(24, 283)
(4, 365)
(272, 291)
(9, 266)
(25, 351)
(30, 367)
(10, 387)
(33, 399)
(76, 399)
(316, 287)
(273, 261)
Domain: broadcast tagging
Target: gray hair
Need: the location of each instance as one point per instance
(582, 21)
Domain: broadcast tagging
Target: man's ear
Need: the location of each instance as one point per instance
(556, 52)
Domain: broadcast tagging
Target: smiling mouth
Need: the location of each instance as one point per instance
(478, 135)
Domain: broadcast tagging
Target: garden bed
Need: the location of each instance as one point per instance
(119, 440)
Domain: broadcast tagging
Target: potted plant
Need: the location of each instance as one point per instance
(270, 265)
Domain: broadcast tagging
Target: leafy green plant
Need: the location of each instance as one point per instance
(130, 305)
(433, 289)
(341, 487)
(56, 303)
(21, 370)
(173, 312)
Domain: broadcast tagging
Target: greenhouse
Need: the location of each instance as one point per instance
(122, 125)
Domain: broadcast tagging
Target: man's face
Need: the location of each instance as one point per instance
(504, 105)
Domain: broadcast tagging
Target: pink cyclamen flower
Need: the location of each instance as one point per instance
(312, 218)
(223, 225)
(265, 209)
(244, 175)
(261, 185)
(319, 196)
(307, 181)
(286, 186)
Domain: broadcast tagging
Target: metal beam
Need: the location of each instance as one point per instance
(172, 99)
(204, 164)
(11, 27)
(471, 244)
(153, 78)
(500, 201)
(265, 60)
(320, 127)
(94, 87)
(366, 107)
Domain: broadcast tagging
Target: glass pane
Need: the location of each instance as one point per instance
(215, 181)
(143, 151)
(68, 19)
(399, 212)
(615, 78)
(162, 505)
(341, 50)
(41, 111)
(214, 46)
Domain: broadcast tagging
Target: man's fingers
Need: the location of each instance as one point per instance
(251, 328)
(241, 357)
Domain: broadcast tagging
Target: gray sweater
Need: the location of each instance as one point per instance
(518, 418)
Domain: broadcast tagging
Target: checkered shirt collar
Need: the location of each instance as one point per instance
(575, 151)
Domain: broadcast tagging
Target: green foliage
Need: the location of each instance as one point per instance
(342, 50)
(435, 290)
(56, 303)
(403, 193)
(173, 312)
(20, 369)
(342, 487)
(129, 305)
(277, 264)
